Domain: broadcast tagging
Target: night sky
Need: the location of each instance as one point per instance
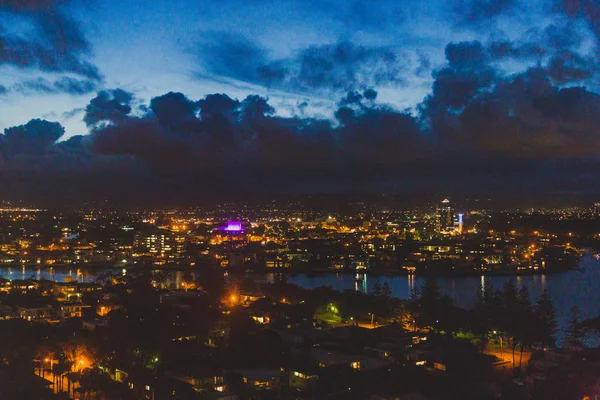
(195, 99)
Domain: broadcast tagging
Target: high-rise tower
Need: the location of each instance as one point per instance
(445, 216)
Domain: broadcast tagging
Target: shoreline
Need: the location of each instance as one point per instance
(291, 271)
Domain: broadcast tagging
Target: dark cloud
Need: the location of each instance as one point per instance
(534, 46)
(466, 74)
(65, 84)
(72, 113)
(217, 104)
(481, 124)
(476, 12)
(244, 140)
(507, 128)
(109, 106)
(58, 45)
(370, 94)
(588, 10)
(217, 112)
(560, 37)
(345, 65)
(232, 56)
(567, 66)
(33, 138)
(424, 65)
(3, 90)
(174, 111)
(465, 54)
(75, 86)
(142, 138)
(40, 85)
(524, 115)
(338, 66)
(29, 5)
(355, 98)
(504, 49)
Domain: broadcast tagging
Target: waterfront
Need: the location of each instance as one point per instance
(566, 289)
(576, 287)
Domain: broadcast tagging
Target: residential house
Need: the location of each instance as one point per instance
(264, 378)
(32, 313)
(71, 310)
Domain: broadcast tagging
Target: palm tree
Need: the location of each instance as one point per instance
(58, 371)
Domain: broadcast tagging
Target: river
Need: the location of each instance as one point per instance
(580, 288)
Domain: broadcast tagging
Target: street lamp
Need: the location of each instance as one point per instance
(51, 362)
(501, 347)
(372, 318)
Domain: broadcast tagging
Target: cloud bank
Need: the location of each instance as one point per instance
(503, 113)
(54, 44)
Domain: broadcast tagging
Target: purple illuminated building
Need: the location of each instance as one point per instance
(232, 227)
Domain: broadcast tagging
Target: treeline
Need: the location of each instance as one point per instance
(507, 314)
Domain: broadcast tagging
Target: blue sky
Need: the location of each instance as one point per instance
(151, 48)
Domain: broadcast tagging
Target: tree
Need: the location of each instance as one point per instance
(413, 306)
(211, 281)
(382, 302)
(377, 289)
(574, 332)
(485, 306)
(58, 370)
(386, 290)
(484, 313)
(546, 317)
(524, 330)
(430, 290)
(507, 308)
(430, 298)
(430, 307)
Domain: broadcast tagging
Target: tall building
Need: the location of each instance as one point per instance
(445, 216)
(458, 223)
(159, 244)
(174, 247)
(149, 243)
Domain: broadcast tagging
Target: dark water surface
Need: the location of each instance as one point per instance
(581, 288)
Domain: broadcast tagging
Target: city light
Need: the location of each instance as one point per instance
(233, 227)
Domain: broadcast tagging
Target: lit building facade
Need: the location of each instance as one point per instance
(159, 244)
(445, 217)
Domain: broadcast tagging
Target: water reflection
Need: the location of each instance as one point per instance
(411, 283)
(566, 290)
(482, 285)
(360, 283)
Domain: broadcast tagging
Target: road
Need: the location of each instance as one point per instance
(507, 356)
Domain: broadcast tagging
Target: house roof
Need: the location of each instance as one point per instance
(261, 374)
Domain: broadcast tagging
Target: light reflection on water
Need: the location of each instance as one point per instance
(566, 290)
